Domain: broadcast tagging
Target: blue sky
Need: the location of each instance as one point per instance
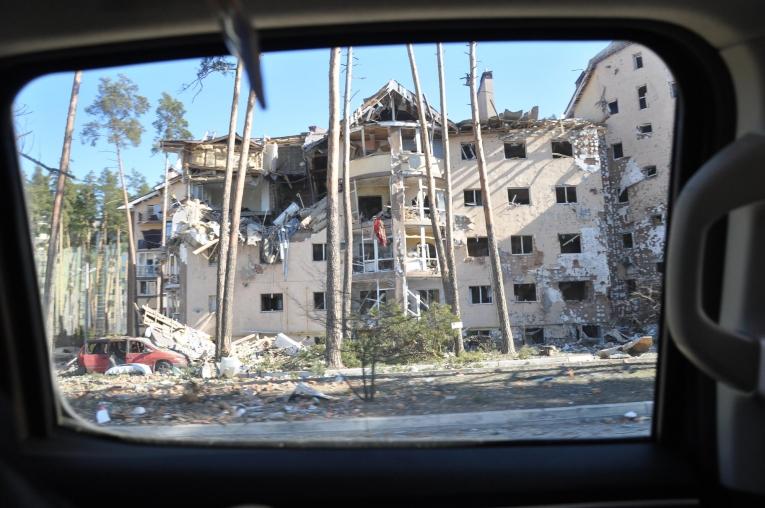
(296, 89)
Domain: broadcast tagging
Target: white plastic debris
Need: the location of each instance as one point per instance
(102, 415)
(631, 415)
(129, 368)
(289, 345)
(138, 411)
(302, 389)
(229, 366)
(208, 371)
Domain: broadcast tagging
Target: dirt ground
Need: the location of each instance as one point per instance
(169, 400)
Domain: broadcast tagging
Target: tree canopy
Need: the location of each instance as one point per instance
(116, 110)
(171, 122)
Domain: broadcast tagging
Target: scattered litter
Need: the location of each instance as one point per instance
(102, 415)
(138, 411)
(302, 389)
(129, 368)
(631, 415)
(229, 366)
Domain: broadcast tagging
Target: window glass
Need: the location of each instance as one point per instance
(575, 270)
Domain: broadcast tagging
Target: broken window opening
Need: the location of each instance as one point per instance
(562, 149)
(522, 244)
(656, 219)
(570, 243)
(533, 335)
(473, 197)
(480, 294)
(467, 151)
(320, 252)
(573, 291)
(642, 91)
(372, 299)
(369, 206)
(428, 297)
(525, 292)
(147, 288)
(618, 150)
(637, 60)
(660, 266)
(271, 302)
(649, 171)
(613, 107)
(624, 196)
(515, 150)
(627, 240)
(319, 300)
(645, 129)
(591, 331)
(519, 196)
(478, 247)
(630, 286)
(565, 194)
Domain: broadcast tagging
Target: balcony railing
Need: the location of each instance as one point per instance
(372, 265)
(146, 271)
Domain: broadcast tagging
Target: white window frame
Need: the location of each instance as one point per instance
(484, 292)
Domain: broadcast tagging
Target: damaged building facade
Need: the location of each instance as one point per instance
(629, 89)
(550, 182)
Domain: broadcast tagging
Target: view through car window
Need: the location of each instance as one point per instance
(426, 245)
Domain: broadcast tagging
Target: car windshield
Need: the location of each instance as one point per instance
(441, 242)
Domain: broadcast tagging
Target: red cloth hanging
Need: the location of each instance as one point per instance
(379, 228)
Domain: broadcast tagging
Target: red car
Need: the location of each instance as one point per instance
(100, 354)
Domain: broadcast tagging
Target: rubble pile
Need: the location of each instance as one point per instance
(168, 333)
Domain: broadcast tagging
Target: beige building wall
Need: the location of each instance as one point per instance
(617, 77)
(543, 219)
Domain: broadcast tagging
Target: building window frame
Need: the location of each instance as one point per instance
(271, 302)
(484, 295)
(565, 194)
(472, 197)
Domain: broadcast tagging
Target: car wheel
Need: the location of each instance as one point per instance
(163, 367)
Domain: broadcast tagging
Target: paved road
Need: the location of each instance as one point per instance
(575, 422)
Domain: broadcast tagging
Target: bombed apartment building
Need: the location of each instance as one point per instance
(630, 90)
(546, 180)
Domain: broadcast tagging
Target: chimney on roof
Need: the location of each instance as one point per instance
(486, 106)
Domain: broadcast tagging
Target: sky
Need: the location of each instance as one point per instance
(296, 86)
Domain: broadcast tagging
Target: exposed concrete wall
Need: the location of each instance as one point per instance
(615, 78)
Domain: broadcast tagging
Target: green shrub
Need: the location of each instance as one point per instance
(527, 351)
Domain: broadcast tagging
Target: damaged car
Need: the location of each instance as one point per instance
(99, 355)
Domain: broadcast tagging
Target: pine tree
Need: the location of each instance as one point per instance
(115, 112)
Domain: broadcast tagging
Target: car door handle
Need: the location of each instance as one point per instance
(729, 352)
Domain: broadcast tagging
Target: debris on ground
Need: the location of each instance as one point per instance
(166, 332)
(129, 368)
(229, 366)
(102, 414)
(635, 347)
(303, 390)
(631, 415)
(290, 346)
(548, 350)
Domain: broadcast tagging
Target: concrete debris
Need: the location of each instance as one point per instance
(630, 415)
(287, 344)
(196, 345)
(548, 350)
(303, 390)
(634, 347)
(129, 368)
(138, 411)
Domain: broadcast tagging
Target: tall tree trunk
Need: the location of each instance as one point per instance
(435, 216)
(132, 328)
(223, 242)
(333, 357)
(236, 211)
(63, 167)
(160, 267)
(496, 268)
(118, 286)
(455, 303)
(347, 209)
